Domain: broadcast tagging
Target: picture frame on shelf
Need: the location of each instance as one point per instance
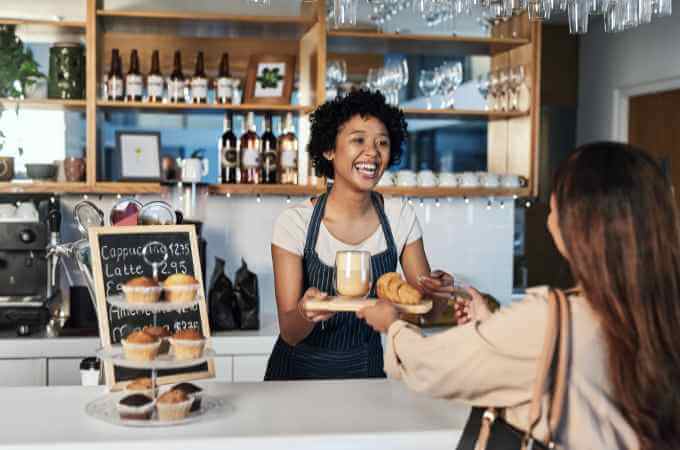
(138, 156)
(270, 79)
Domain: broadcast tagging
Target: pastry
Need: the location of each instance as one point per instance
(180, 288)
(140, 346)
(135, 407)
(381, 285)
(192, 391)
(161, 333)
(187, 344)
(173, 405)
(140, 386)
(392, 287)
(141, 290)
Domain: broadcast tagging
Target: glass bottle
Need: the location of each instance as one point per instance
(133, 80)
(154, 81)
(223, 84)
(251, 149)
(199, 82)
(176, 80)
(288, 153)
(269, 154)
(229, 152)
(114, 83)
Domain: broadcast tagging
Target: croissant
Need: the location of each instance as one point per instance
(392, 287)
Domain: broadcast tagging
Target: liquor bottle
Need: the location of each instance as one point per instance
(199, 82)
(288, 153)
(269, 154)
(229, 152)
(115, 78)
(223, 84)
(251, 148)
(154, 82)
(133, 80)
(176, 81)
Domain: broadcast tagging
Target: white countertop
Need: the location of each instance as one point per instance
(356, 414)
(254, 342)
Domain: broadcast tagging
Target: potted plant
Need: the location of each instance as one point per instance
(18, 72)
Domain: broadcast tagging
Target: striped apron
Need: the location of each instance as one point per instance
(343, 346)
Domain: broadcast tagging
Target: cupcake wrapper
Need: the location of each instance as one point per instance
(140, 352)
(187, 349)
(174, 411)
(181, 293)
(136, 412)
(139, 294)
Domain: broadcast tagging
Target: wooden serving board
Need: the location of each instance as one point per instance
(343, 304)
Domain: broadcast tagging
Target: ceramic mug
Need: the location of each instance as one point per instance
(194, 169)
(74, 169)
(489, 180)
(427, 178)
(509, 180)
(448, 179)
(406, 178)
(468, 179)
(387, 179)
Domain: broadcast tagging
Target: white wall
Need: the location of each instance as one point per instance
(469, 240)
(608, 62)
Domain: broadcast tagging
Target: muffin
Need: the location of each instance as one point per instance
(161, 333)
(140, 346)
(187, 344)
(180, 288)
(142, 290)
(140, 386)
(135, 407)
(193, 392)
(173, 405)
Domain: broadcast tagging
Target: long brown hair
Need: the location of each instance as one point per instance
(619, 223)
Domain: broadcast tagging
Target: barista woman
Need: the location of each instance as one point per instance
(353, 141)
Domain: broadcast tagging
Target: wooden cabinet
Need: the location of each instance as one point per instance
(23, 372)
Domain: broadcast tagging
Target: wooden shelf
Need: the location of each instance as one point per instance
(464, 113)
(436, 192)
(52, 23)
(375, 42)
(126, 187)
(202, 107)
(41, 187)
(45, 103)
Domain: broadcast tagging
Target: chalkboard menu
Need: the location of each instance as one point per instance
(117, 257)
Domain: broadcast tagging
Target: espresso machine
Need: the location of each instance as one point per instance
(29, 297)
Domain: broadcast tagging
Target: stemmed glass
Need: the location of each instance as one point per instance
(452, 77)
(428, 83)
(517, 77)
(483, 85)
(503, 87)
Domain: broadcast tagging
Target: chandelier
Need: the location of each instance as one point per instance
(618, 15)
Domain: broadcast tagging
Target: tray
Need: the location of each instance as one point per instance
(344, 304)
(120, 302)
(165, 361)
(105, 409)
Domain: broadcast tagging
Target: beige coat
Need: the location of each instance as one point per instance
(493, 363)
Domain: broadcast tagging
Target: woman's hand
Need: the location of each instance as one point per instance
(313, 316)
(438, 285)
(474, 309)
(380, 316)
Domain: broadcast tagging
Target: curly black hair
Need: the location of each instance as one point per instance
(327, 119)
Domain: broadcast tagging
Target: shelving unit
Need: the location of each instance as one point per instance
(512, 136)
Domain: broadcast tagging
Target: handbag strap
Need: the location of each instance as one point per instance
(558, 324)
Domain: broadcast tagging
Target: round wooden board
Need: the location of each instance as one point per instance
(342, 304)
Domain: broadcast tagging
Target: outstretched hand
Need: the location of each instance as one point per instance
(380, 316)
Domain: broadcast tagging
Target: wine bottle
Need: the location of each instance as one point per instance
(223, 83)
(269, 155)
(114, 82)
(251, 148)
(154, 81)
(199, 82)
(133, 80)
(176, 81)
(229, 151)
(288, 153)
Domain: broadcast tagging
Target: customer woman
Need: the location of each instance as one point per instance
(613, 217)
(353, 140)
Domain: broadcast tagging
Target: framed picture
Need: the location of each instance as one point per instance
(139, 155)
(270, 79)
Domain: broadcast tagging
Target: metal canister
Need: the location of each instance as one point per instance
(67, 71)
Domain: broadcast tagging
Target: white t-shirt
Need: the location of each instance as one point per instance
(290, 231)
